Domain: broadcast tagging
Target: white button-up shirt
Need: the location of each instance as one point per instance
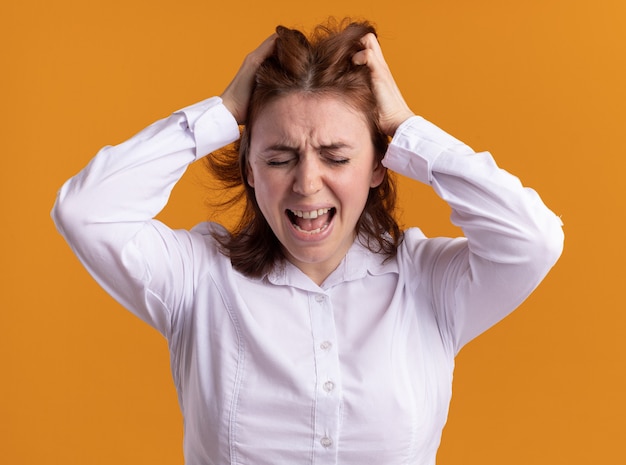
(278, 370)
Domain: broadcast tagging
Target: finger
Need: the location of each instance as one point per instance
(266, 48)
(254, 59)
(393, 109)
(236, 95)
(369, 43)
(370, 40)
(371, 55)
(360, 57)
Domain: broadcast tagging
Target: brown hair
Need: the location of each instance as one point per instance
(319, 65)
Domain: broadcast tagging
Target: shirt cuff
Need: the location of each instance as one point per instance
(211, 124)
(416, 146)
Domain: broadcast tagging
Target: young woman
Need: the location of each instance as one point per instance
(316, 331)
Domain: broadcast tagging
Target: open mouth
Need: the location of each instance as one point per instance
(313, 221)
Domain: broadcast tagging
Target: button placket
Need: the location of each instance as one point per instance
(328, 399)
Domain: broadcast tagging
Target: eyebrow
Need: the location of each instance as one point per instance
(289, 148)
(279, 148)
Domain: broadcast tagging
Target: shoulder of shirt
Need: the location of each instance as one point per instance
(208, 228)
(360, 258)
(208, 247)
(216, 262)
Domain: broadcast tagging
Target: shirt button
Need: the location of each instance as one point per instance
(326, 442)
(326, 345)
(329, 386)
(320, 298)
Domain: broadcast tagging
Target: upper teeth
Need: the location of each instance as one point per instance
(310, 214)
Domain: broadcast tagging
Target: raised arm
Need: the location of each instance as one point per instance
(106, 212)
(511, 238)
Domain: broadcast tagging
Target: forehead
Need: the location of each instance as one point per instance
(314, 118)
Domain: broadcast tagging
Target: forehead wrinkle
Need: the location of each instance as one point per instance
(298, 126)
(289, 148)
(282, 143)
(286, 143)
(300, 129)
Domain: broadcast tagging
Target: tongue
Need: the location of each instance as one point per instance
(311, 224)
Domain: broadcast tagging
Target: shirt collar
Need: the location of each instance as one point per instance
(358, 262)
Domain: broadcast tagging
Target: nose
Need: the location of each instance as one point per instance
(308, 178)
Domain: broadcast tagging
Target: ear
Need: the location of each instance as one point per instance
(249, 176)
(378, 174)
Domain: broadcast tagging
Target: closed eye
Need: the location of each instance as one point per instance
(338, 161)
(330, 161)
(279, 155)
(278, 162)
(333, 154)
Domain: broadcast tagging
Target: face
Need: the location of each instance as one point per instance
(312, 164)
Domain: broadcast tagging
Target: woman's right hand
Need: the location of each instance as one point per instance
(237, 95)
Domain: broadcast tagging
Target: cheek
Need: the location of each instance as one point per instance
(266, 190)
(365, 179)
(353, 190)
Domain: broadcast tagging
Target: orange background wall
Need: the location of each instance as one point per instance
(539, 83)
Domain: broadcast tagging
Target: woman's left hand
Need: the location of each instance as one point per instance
(393, 109)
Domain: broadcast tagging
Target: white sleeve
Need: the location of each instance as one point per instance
(106, 211)
(512, 238)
